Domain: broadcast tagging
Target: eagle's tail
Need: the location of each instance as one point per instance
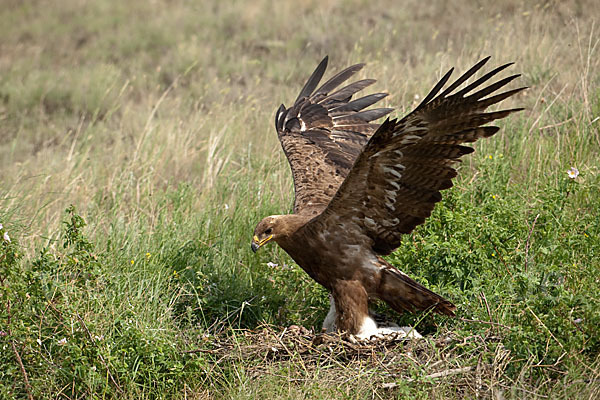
(404, 294)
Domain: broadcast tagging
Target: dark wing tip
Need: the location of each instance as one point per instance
(389, 122)
(436, 89)
(489, 131)
(463, 150)
(313, 81)
(338, 78)
(512, 110)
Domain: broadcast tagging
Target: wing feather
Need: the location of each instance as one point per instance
(348, 91)
(396, 180)
(338, 78)
(313, 81)
(323, 133)
(358, 104)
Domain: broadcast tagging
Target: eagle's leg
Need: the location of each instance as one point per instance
(349, 312)
(352, 309)
(329, 322)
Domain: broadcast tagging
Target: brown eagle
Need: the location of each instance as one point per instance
(360, 185)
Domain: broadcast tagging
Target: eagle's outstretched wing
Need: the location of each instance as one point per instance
(323, 133)
(397, 178)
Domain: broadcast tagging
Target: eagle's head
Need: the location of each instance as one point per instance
(266, 230)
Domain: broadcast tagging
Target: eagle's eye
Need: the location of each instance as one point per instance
(268, 231)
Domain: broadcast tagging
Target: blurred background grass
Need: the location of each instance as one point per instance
(155, 119)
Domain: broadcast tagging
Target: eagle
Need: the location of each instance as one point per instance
(359, 185)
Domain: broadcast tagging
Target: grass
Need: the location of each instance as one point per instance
(155, 122)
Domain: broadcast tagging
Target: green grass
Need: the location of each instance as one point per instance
(154, 120)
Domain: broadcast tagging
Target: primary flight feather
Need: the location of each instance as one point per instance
(359, 186)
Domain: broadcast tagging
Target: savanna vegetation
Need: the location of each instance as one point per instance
(137, 152)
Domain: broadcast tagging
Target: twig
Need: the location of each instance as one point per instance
(478, 379)
(501, 258)
(110, 375)
(447, 372)
(279, 337)
(544, 325)
(27, 385)
(546, 109)
(473, 178)
(487, 307)
(193, 351)
(556, 125)
(17, 355)
(436, 375)
(525, 390)
(389, 385)
(528, 243)
(485, 322)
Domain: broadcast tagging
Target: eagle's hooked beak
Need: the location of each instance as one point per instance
(257, 244)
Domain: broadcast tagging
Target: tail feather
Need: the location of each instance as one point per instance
(402, 293)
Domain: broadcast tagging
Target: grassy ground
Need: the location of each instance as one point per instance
(154, 120)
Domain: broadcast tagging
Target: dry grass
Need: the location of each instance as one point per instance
(155, 120)
(285, 362)
(178, 93)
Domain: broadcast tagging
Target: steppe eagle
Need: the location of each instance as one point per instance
(359, 186)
